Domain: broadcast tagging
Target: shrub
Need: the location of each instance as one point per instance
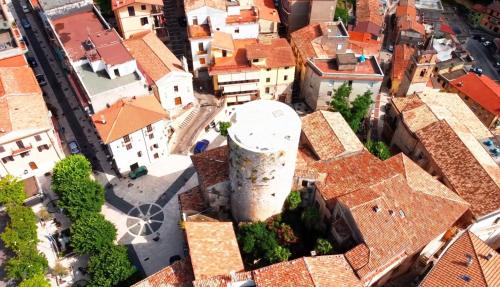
(92, 234)
(35, 281)
(278, 254)
(26, 265)
(20, 234)
(223, 127)
(323, 247)
(109, 267)
(293, 200)
(311, 217)
(378, 149)
(11, 191)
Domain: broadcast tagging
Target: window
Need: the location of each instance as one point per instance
(285, 77)
(155, 145)
(237, 30)
(144, 21)
(224, 53)
(176, 88)
(117, 73)
(139, 153)
(20, 144)
(286, 68)
(149, 128)
(202, 61)
(329, 93)
(7, 159)
(33, 165)
(371, 84)
(156, 155)
(131, 11)
(38, 138)
(178, 101)
(268, 80)
(2, 149)
(200, 47)
(25, 154)
(255, 60)
(151, 136)
(350, 83)
(422, 73)
(268, 70)
(129, 146)
(267, 90)
(195, 20)
(43, 147)
(143, 7)
(126, 138)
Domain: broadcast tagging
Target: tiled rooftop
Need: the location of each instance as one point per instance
(480, 89)
(211, 166)
(328, 68)
(190, 5)
(369, 11)
(278, 53)
(267, 10)
(401, 60)
(238, 62)
(199, 31)
(213, 248)
(179, 274)
(305, 39)
(245, 16)
(117, 4)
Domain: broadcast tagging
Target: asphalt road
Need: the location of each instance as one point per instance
(52, 80)
(482, 55)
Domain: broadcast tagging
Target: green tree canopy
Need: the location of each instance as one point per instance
(92, 233)
(109, 267)
(311, 217)
(293, 200)
(379, 149)
(26, 266)
(105, 6)
(69, 171)
(278, 254)
(342, 14)
(35, 281)
(11, 191)
(82, 197)
(260, 242)
(354, 112)
(223, 127)
(323, 247)
(20, 234)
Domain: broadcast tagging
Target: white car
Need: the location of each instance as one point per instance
(26, 9)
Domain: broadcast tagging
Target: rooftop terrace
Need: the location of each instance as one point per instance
(100, 82)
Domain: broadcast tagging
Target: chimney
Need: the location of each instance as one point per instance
(376, 208)
(313, 253)
(103, 120)
(488, 256)
(469, 260)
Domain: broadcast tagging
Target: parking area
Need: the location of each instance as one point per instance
(483, 57)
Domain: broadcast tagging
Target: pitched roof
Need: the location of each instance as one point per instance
(267, 10)
(406, 10)
(453, 266)
(109, 47)
(281, 274)
(369, 11)
(367, 27)
(127, 116)
(211, 166)
(277, 53)
(223, 40)
(329, 135)
(190, 5)
(154, 58)
(481, 89)
(213, 248)
(238, 62)
(117, 4)
(15, 61)
(307, 39)
(401, 60)
(362, 43)
(179, 274)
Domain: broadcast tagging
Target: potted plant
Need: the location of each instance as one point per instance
(59, 271)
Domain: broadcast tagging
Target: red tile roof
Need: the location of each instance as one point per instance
(481, 89)
(16, 61)
(211, 166)
(321, 137)
(362, 43)
(110, 48)
(267, 10)
(282, 274)
(401, 60)
(278, 53)
(117, 4)
(245, 16)
(179, 274)
(127, 116)
(237, 63)
(406, 10)
(369, 11)
(454, 265)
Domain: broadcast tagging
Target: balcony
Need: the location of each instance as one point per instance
(156, 11)
(238, 82)
(21, 150)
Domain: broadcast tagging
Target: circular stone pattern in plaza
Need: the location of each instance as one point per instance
(145, 219)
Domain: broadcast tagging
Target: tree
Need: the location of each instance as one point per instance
(11, 191)
(26, 265)
(20, 234)
(257, 241)
(323, 247)
(311, 217)
(82, 197)
(109, 267)
(278, 254)
(35, 281)
(69, 171)
(223, 127)
(104, 6)
(379, 149)
(340, 101)
(342, 14)
(353, 113)
(92, 234)
(293, 200)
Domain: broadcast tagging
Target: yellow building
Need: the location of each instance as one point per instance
(245, 70)
(135, 16)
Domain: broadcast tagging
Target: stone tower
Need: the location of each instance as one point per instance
(419, 71)
(263, 142)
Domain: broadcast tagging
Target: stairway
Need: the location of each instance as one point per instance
(190, 116)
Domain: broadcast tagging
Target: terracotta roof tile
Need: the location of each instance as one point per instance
(369, 11)
(481, 89)
(406, 103)
(192, 200)
(127, 116)
(401, 60)
(223, 40)
(267, 10)
(211, 166)
(155, 59)
(190, 5)
(331, 271)
(308, 41)
(453, 265)
(15, 61)
(362, 43)
(223, 280)
(213, 248)
(179, 274)
(237, 63)
(117, 4)
(281, 274)
(278, 53)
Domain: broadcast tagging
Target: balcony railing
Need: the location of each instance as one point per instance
(21, 150)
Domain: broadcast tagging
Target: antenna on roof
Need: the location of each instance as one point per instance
(469, 259)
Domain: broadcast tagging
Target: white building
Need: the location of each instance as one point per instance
(102, 69)
(166, 75)
(263, 142)
(324, 76)
(206, 17)
(134, 131)
(29, 146)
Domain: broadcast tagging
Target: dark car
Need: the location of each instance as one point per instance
(32, 62)
(73, 147)
(201, 146)
(41, 80)
(138, 172)
(182, 21)
(26, 24)
(476, 70)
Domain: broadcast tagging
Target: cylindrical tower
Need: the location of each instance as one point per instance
(263, 142)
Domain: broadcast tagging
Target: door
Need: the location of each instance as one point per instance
(33, 165)
(134, 166)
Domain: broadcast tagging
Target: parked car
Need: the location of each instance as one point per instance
(476, 70)
(487, 43)
(41, 80)
(138, 172)
(390, 48)
(25, 23)
(201, 146)
(73, 147)
(26, 9)
(32, 62)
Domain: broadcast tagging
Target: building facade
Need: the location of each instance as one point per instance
(419, 72)
(491, 17)
(134, 131)
(135, 16)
